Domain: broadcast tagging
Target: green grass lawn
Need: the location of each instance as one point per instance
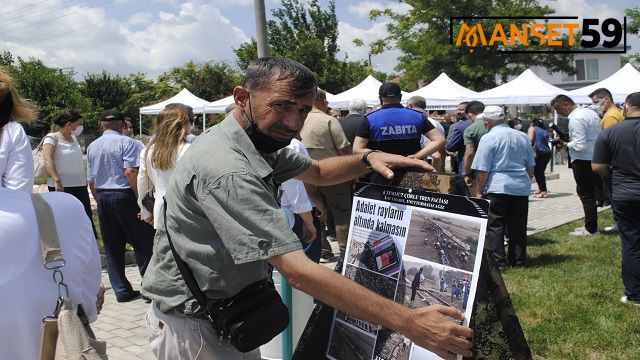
(568, 297)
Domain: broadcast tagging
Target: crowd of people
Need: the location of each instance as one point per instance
(271, 186)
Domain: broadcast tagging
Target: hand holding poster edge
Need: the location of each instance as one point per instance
(383, 163)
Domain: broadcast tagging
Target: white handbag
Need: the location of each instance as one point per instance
(39, 169)
(65, 334)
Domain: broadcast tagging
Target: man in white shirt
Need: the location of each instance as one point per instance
(584, 128)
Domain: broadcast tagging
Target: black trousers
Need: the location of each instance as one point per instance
(628, 221)
(81, 193)
(542, 159)
(508, 212)
(586, 182)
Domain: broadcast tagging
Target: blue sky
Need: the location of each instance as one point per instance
(124, 36)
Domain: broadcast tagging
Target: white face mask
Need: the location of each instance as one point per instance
(600, 108)
(517, 126)
(77, 131)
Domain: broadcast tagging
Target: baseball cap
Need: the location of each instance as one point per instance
(389, 89)
(493, 113)
(111, 115)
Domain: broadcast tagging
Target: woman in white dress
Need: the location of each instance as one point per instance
(159, 157)
(64, 162)
(16, 161)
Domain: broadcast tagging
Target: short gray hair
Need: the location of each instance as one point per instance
(418, 101)
(358, 105)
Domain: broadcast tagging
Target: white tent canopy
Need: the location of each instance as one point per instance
(526, 89)
(622, 83)
(443, 92)
(367, 90)
(183, 97)
(218, 106)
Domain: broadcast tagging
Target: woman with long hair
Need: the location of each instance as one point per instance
(16, 160)
(159, 157)
(64, 161)
(539, 136)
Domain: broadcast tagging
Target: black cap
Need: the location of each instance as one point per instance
(389, 89)
(111, 115)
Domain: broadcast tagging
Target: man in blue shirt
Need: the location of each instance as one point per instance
(396, 129)
(112, 167)
(455, 141)
(504, 166)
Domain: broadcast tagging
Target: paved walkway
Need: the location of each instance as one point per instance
(123, 324)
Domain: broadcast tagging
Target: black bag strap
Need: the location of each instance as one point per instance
(185, 271)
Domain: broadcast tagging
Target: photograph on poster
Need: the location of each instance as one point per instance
(348, 342)
(426, 283)
(360, 324)
(380, 253)
(382, 285)
(391, 345)
(443, 238)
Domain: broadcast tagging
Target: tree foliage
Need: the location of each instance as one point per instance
(633, 27)
(422, 34)
(307, 33)
(106, 91)
(51, 89)
(208, 80)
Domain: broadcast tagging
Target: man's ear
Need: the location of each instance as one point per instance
(241, 97)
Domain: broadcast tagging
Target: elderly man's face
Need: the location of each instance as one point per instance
(275, 111)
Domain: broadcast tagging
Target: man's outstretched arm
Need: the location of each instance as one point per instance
(336, 170)
(428, 326)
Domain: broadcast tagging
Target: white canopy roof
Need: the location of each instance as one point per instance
(622, 83)
(218, 106)
(526, 89)
(443, 92)
(183, 97)
(367, 90)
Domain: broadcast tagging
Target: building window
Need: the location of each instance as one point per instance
(592, 69)
(586, 69)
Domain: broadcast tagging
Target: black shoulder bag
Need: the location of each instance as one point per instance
(246, 320)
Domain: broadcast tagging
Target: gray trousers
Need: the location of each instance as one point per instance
(173, 336)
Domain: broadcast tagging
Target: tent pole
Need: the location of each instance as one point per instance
(140, 124)
(203, 122)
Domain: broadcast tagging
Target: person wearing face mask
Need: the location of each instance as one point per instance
(515, 124)
(63, 159)
(222, 217)
(610, 113)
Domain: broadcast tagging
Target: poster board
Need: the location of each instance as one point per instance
(413, 247)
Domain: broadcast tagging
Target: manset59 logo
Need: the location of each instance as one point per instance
(539, 34)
